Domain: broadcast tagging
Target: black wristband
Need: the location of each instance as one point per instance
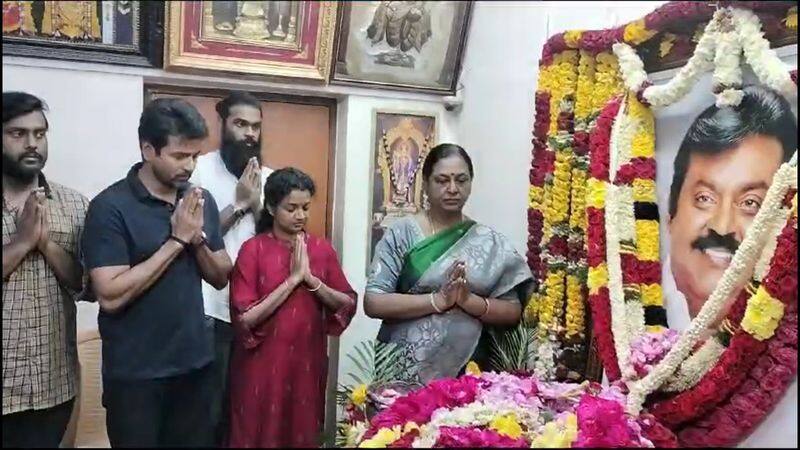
(183, 243)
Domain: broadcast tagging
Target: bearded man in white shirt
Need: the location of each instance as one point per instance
(235, 177)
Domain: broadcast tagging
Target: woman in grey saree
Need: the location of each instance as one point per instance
(437, 288)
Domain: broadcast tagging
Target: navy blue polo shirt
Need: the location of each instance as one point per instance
(161, 333)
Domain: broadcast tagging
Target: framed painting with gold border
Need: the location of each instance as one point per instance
(401, 140)
(115, 32)
(291, 39)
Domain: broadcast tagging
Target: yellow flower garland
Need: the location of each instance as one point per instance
(608, 81)
(583, 82)
(574, 317)
(598, 278)
(584, 103)
(764, 312)
(636, 32)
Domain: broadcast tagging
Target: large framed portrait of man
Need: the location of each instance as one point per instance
(714, 168)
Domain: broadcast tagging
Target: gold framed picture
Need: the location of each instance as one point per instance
(291, 39)
(401, 141)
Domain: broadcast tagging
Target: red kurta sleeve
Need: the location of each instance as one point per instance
(337, 321)
(244, 291)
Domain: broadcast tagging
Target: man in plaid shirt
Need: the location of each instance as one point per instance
(42, 223)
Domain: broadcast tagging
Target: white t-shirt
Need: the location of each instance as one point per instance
(211, 174)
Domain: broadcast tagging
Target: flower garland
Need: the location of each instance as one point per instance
(635, 77)
(766, 64)
(557, 206)
(597, 279)
(731, 32)
(550, 197)
(727, 77)
(631, 226)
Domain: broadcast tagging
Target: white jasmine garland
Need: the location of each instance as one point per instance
(619, 324)
(695, 367)
(747, 254)
(701, 61)
(545, 359)
(729, 97)
(620, 130)
(727, 76)
(623, 216)
(630, 66)
(727, 68)
(766, 64)
(771, 244)
(635, 318)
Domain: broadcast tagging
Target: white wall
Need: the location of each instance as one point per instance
(92, 141)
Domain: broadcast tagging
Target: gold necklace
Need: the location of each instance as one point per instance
(430, 222)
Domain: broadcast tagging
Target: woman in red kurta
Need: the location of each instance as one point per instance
(287, 292)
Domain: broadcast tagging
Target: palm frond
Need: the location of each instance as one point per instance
(512, 350)
(374, 362)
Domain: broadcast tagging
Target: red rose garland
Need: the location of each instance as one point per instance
(541, 167)
(600, 301)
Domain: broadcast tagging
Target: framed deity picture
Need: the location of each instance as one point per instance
(410, 45)
(401, 142)
(274, 38)
(117, 32)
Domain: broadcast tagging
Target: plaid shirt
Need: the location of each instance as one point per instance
(40, 354)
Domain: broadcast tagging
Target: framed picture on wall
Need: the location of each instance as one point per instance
(273, 38)
(117, 32)
(416, 45)
(401, 142)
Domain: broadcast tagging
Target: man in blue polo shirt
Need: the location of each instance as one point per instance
(149, 241)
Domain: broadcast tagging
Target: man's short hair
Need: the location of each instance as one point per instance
(236, 98)
(762, 112)
(16, 104)
(165, 117)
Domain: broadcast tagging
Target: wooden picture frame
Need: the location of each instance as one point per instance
(415, 132)
(376, 58)
(37, 29)
(275, 39)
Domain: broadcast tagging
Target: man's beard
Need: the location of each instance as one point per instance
(236, 154)
(17, 171)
